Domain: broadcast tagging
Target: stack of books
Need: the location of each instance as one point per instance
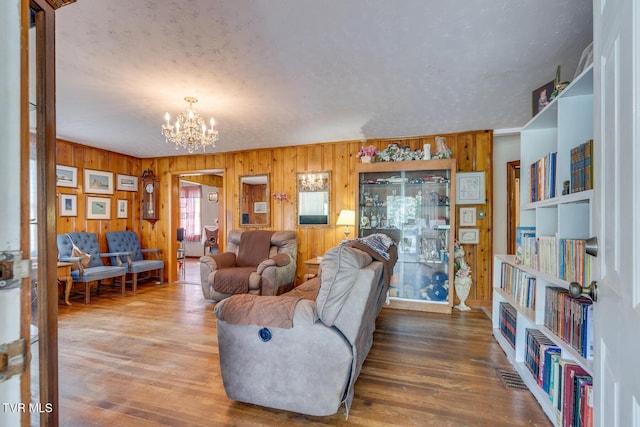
(538, 350)
(542, 178)
(568, 385)
(570, 318)
(575, 265)
(519, 285)
(526, 246)
(508, 316)
(571, 394)
(581, 167)
(548, 255)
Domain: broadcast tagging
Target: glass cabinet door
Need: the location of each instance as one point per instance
(413, 203)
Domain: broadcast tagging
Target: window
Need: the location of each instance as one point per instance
(190, 212)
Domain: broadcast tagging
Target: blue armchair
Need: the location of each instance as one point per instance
(96, 270)
(128, 242)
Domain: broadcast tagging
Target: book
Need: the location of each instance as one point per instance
(522, 233)
(570, 372)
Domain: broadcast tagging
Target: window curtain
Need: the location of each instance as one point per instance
(190, 215)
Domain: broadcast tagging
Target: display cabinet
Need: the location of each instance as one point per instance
(413, 202)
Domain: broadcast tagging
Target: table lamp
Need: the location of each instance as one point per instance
(347, 218)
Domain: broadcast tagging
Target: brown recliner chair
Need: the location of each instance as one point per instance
(255, 262)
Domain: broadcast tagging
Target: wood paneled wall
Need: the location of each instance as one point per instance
(84, 157)
(473, 151)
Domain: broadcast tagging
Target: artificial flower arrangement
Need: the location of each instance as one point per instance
(394, 153)
(368, 151)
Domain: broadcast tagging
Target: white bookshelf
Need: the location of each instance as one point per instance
(564, 124)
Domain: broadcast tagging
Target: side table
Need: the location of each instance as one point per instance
(311, 267)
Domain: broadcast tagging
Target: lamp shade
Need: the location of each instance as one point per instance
(346, 217)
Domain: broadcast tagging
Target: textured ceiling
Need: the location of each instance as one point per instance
(290, 72)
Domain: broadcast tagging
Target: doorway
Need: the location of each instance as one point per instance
(199, 217)
(513, 204)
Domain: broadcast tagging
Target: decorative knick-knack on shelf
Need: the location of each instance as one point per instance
(462, 281)
(366, 154)
(442, 151)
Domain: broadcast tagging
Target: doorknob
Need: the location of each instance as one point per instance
(591, 246)
(576, 290)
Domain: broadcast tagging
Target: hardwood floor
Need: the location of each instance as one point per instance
(152, 359)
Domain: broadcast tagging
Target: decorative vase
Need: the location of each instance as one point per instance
(463, 286)
(366, 159)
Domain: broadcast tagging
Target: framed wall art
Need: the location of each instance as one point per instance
(260, 207)
(469, 236)
(126, 182)
(467, 217)
(68, 205)
(98, 182)
(541, 97)
(122, 210)
(98, 207)
(470, 188)
(66, 176)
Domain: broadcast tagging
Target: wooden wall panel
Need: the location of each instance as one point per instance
(473, 151)
(83, 157)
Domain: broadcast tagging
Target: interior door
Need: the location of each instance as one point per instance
(617, 209)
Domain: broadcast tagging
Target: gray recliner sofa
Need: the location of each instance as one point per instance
(309, 365)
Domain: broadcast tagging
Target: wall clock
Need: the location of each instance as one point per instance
(149, 196)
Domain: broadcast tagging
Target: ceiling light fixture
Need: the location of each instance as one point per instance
(190, 132)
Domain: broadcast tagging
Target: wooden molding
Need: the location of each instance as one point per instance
(57, 4)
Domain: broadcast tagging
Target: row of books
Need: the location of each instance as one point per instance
(575, 265)
(571, 319)
(542, 178)
(581, 167)
(563, 258)
(568, 385)
(519, 285)
(547, 255)
(508, 319)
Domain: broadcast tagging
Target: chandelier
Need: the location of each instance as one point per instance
(189, 131)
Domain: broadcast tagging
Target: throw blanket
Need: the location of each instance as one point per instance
(387, 258)
(254, 248)
(234, 280)
(273, 311)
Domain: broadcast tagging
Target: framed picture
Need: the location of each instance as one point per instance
(541, 97)
(470, 188)
(66, 176)
(469, 236)
(98, 207)
(407, 245)
(126, 182)
(260, 207)
(98, 182)
(467, 217)
(68, 205)
(213, 196)
(122, 210)
(586, 59)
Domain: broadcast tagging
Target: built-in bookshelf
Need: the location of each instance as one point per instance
(546, 334)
